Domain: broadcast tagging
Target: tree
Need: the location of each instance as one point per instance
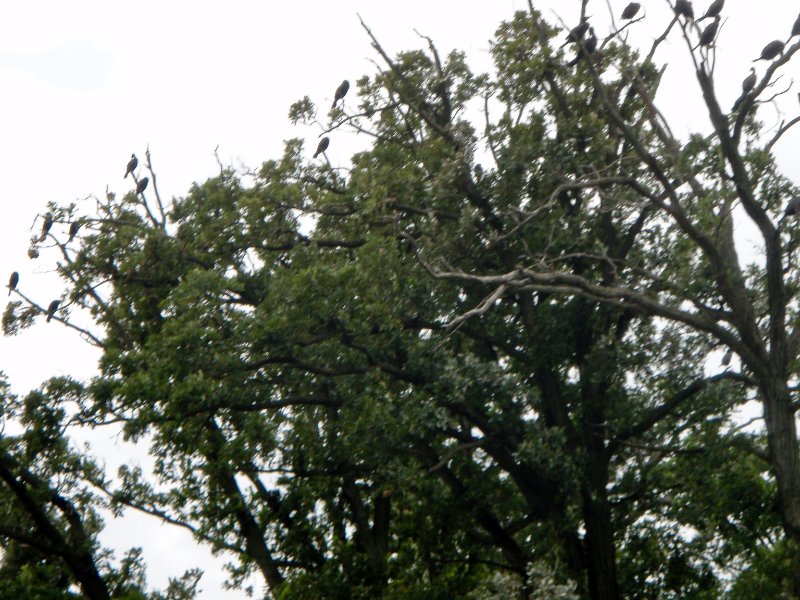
(423, 377)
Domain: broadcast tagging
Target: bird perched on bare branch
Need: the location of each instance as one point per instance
(132, 164)
(322, 146)
(771, 50)
(747, 86)
(141, 186)
(585, 48)
(726, 359)
(46, 225)
(73, 230)
(12, 282)
(341, 92)
(713, 10)
(792, 208)
(796, 27)
(576, 34)
(684, 8)
(709, 33)
(630, 10)
(51, 310)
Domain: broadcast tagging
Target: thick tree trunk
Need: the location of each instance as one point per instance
(600, 551)
(779, 417)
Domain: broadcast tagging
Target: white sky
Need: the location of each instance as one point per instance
(86, 83)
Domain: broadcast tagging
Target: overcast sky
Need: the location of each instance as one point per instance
(87, 83)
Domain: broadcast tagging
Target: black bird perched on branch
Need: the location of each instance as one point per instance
(747, 86)
(142, 185)
(713, 10)
(771, 50)
(12, 282)
(796, 27)
(132, 164)
(73, 230)
(48, 223)
(341, 92)
(709, 33)
(322, 146)
(576, 33)
(793, 208)
(684, 8)
(726, 359)
(585, 48)
(631, 10)
(51, 310)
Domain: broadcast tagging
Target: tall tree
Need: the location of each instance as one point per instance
(470, 361)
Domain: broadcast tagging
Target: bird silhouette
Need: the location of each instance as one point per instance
(748, 84)
(322, 146)
(12, 282)
(73, 230)
(132, 164)
(796, 27)
(709, 33)
(141, 186)
(341, 92)
(713, 10)
(51, 310)
(684, 8)
(726, 359)
(792, 208)
(576, 34)
(631, 10)
(585, 48)
(771, 50)
(46, 225)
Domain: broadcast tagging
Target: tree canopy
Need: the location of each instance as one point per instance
(480, 359)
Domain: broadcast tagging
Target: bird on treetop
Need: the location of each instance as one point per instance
(748, 84)
(142, 185)
(792, 208)
(709, 33)
(132, 164)
(684, 8)
(341, 92)
(322, 146)
(631, 10)
(46, 225)
(51, 310)
(713, 10)
(585, 48)
(12, 282)
(73, 230)
(576, 33)
(771, 50)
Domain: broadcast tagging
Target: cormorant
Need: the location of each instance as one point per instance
(747, 86)
(771, 50)
(713, 10)
(709, 33)
(684, 7)
(576, 33)
(322, 146)
(726, 359)
(73, 230)
(792, 208)
(12, 282)
(51, 310)
(341, 92)
(48, 223)
(631, 10)
(585, 48)
(142, 185)
(132, 164)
